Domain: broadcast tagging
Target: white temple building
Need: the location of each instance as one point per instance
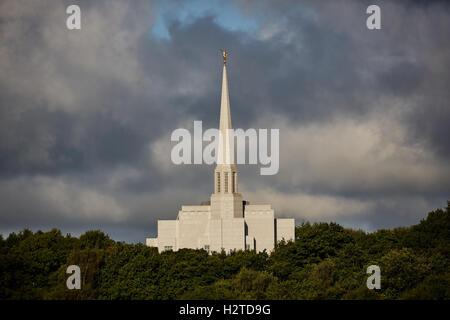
(226, 222)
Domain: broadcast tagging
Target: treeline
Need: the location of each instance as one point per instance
(326, 261)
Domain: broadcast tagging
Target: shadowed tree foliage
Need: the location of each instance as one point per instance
(326, 261)
(95, 239)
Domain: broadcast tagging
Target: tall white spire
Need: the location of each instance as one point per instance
(226, 201)
(226, 146)
(225, 115)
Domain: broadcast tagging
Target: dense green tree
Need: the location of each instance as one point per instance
(246, 285)
(95, 239)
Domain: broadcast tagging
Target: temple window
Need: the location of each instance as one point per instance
(218, 182)
(226, 182)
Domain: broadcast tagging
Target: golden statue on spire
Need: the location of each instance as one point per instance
(224, 56)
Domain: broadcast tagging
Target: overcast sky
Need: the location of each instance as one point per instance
(86, 116)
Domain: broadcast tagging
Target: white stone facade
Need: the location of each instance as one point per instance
(227, 222)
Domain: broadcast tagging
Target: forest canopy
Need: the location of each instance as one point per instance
(326, 261)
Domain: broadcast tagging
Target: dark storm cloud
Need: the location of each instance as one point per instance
(86, 116)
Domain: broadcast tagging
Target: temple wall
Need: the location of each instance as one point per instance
(167, 235)
(260, 225)
(195, 229)
(233, 234)
(192, 226)
(285, 229)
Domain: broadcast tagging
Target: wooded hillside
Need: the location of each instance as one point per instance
(326, 261)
